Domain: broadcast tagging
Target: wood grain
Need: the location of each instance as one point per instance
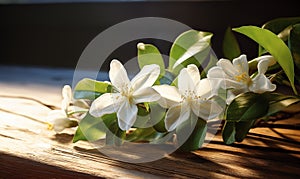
(29, 150)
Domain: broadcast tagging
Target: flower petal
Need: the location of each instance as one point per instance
(67, 97)
(241, 64)
(225, 81)
(54, 114)
(176, 115)
(227, 67)
(60, 124)
(118, 75)
(169, 95)
(67, 92)
(263, 65)
(185, 81)
(207, 88)
(106, 104)
(271, 59)
(207, 109)
(261, 83)
(65, 103)
(194, 73)
(145, 95)
(146, 77)
(216, 72)
(127, 114)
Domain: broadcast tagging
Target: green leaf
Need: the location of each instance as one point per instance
(190, 47)
(157, 117)
(236, 131)
(91, 89)
(228, 132)
(167, 78)
(91, 128)
(277, 25)
(280, 105)
(274, 45)
(143, 117)
(197, 137)
(281, 27)
(115, 136)
(242, 128)
(160, 126)
(278, 102)
(231, 47)
(86, 95)
(283, 35)
(148, 54)
(275, 97)
(144, 135)
(269, 104)
(294, 43)
(79, 136)
(247, 106)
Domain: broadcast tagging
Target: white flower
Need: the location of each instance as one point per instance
(127, 93)
(192, 97)
(235, 76)
(58, 120)
(67, 98)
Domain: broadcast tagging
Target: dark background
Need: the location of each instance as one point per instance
(55, 34)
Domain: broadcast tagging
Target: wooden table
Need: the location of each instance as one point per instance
(29, 150)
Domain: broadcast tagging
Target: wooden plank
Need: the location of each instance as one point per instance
(28, 149)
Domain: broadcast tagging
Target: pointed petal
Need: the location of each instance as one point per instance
(117, 74)
(185, 81)
(207, 88)
(67, 97)
(65, 103)
(229, 84)
(145, 95)
(227, 67)
(54, 114)
(176, 115)
(67, 92)
(60, 124)
(169, 95)
(220, 78)
(241, 64)
(216, 72)
(261, 83)
(207, 109)
(263, 65)
(146, 77)
(271, 59)
(194, 73)
(106, 104)
(127, 115)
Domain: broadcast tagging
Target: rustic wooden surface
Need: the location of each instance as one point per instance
(29, 150)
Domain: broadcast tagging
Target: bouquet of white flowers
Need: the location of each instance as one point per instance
(175, 104)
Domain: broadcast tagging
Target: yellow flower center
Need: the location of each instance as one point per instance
(243, 77)
(127, 91)
(50, 126)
